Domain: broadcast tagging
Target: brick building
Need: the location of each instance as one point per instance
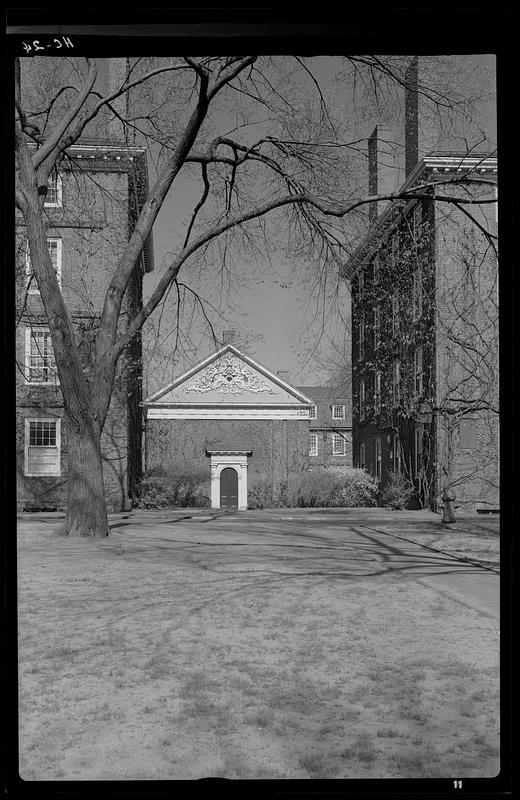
(236, 419)
(91, 206)
(330, 427)
(425, 328)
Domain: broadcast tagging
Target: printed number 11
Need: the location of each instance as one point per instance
(457, 784)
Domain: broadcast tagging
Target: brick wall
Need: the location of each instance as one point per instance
(279, 446)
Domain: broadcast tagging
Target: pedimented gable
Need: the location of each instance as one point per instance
(229, 378)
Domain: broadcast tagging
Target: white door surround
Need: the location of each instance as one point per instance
(219, 460)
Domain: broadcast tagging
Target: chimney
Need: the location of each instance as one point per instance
(228, 337)
(411, 115)
(383, 167)
(283, 374)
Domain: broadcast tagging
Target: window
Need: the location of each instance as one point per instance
(377, 327)
(313, 412)
(55, 254)
(418, 371)
(361, 283)
(395, 315)
(418, 450)
(39, 356)
(396, 453)
(362, 456)
(396, 383)
(377, 458)
(362, 400)
(338, 412)
(313, 444)
(338, 445)
(361, 338)
(468, 439)
(42, 447)
(417, 297)
(54, 195)
(377, 393)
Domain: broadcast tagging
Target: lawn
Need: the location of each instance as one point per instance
(194, 650)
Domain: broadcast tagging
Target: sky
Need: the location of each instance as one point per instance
(278, 316)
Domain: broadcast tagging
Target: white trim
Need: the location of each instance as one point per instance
(218, 462)
(229, 348)
(313, 449)
(57, 472)
(27, 361)
(226, 412)
(342, 413)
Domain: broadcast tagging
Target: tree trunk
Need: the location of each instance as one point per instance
(86, 509)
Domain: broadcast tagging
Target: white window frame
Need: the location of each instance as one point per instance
(313, 412)
(377, 327)
(418, 371)
(29, 331)
(377, 392)
(340, 414)
(362, 455)
(361, 338)
(417, 294)
(59, 191)
(57, 469)
(339, 445)
(313, 444)
(34, 288)
(378, 459)
(362, 400)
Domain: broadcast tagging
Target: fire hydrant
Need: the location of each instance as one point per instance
(448, 509)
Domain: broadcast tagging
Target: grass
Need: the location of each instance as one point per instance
(180, 660)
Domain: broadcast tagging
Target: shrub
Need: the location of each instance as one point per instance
(358, 488)
(398, 491)
(262, 494)
(332, 487)
(174, 485)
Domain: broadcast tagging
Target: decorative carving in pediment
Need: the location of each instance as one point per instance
(229, 375)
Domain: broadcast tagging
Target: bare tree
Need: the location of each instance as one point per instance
(290, 163)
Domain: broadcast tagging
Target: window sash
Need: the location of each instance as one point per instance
(338, 445)
(377, 393)
(313, 444)
(54, 197)
(377, 457)
(42, 447)
(55, 251)
(313, 412)
(396, 383)
(377, 327)
(40, 363)
(338, 412)
(362, 400)
(362, 456)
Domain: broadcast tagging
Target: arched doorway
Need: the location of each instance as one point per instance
(229, 488)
